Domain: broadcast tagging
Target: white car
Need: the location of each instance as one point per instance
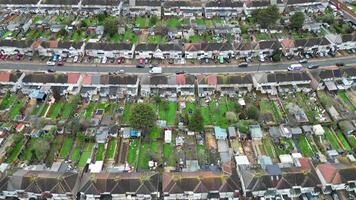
(104, 60)
(262, 58)
(51, 63)
(75, 59)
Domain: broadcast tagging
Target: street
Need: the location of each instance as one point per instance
(68, 67)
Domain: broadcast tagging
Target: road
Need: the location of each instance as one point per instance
(349, 61)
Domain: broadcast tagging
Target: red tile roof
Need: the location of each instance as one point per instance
(86, 79)
(4, 76)
(287, 43)
(305, 163)
(212, 80)
(180, 79)
(330, 173)
(73, 78)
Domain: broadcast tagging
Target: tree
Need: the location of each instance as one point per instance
(266, 17)
(196, 122)
(276, 55)
(297, 20)
(39, 151)
(56, 94)
(231, 117)
(252, 112)
(153, 21)
(111, 25)
(142, 117)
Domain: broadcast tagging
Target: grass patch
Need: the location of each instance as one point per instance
(44, 110)
(263, 36)
(167, 153)
(132, 154)
(343, 141)
(90, 110)
(126, 114)
(268, 147)
(76, 152)
(143, 157)
(173, 22)
(305, 147)
(54, 110)
(155, 133)
(7, 101)
(156, 39)
(88, 147)
(352, 140)
(27, 153)
(67, 146)
(100, 152)
(345, 100)
(13, 152)
(141, 22)
(167, 111)
(110, 153)
(130, 36)
(330, 136)
(14, 111)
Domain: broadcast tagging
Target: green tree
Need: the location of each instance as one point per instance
(102, 16)
(297, 20)
(153, 21)
(196, 122)
(231, 117)
(39, 151)
(252, 112)
(266, 17)
(142, 117)
(276, 55)
(111, 25)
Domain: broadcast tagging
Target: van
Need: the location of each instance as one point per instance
(295, 67)
(156, 70)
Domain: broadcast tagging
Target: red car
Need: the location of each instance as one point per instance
(120, 60)
(60, 62)
(141, 61)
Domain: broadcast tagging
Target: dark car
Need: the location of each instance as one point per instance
(340, 64)
(180, 72)
(313, 66)
(51, 70)
(243, 65)
(140, 66)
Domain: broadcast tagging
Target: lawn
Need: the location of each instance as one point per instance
(343, 141)
(167, 153)
(278, 116)
(44, 110)
(303, 101)
(352, 140)
(100, 152)
(263, 36)
(168, 112)
(141, 22)
(132, 154)
(15, 109)
(304, 146)
(70, 106)
(126, 114)
(285, 146)
(76, 151)
(215, 112)
(173, 22)
(54, 110)
(13, 152)
(346, 100)
(130, 36)
(155, 133)
(7, 101)
(143, 156)
(88, 147)
(156, 39)
(110, 153)
(90, 110)
(202, 154)
(268, 147)
(55, 146)
(154, 147)
(331, 137)
(67, 146)
(27, 153)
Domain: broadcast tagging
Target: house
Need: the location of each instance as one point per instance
(255, 132)
(194, 51)
(312, 45)
(142, 7)
(168, 51)
(267, 47)
(118, 85)
(220, 133)
(62, 48)
(102, 133)
(288, 47)
(161, 84)
(275, 133)
(168, 136)
(143, 185)
(224, 9)
(246, 50)
(272, 181)
(110, 50)
(283, 82)
(16, 47)
(182, 8)
(336, 176)
(348, 41)
(207, 84)
(199, 185)
(185, 84)
(45, 184)
(235, 83)
(325, 78)
(145, 51)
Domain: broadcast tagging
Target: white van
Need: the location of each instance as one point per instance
(295, 67)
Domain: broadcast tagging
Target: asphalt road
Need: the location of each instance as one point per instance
(349, 61)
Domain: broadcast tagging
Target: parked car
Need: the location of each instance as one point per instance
(51, 63)
(75, 59)
(120, 60)
(313, 66)
(60, 62)
(180, 72)
(51, 70)
(295, 67)
(104, 60)
(141, 61)
(140, 66)
(340, 64)
(303, 61)
(243, 65)
(121, 71)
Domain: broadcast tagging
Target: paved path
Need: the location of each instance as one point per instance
(69, 67)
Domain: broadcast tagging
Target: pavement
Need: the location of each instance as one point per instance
(193, 69)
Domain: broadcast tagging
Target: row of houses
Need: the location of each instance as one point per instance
(226, 8)
(243, 179)
(119, 85)
(176, 50)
